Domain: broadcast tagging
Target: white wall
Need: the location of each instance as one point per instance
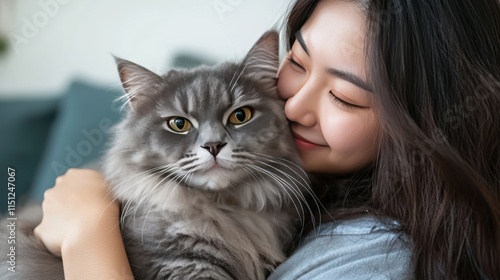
(56, 41)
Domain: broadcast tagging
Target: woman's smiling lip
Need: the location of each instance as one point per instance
(304, 143)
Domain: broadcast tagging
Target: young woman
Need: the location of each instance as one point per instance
(395, 107)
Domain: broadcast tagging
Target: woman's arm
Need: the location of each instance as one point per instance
(81, 224)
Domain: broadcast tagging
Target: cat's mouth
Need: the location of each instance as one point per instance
(214, 179)
(215, 174)
(215, 168)
(216, 165)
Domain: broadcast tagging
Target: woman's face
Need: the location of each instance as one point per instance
(329, 102)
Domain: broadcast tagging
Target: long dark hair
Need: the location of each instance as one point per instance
(435, 69)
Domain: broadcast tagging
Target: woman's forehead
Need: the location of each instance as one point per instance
(335, 36)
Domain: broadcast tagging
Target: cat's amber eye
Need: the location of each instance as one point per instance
(240, 115)
(178, 124)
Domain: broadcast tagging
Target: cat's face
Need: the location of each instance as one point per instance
(210, 128)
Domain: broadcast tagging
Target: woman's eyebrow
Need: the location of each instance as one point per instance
(350, 77)
(344, 75)
(300, 39)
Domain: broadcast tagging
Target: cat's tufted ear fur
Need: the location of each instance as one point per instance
(140, 85)
(262, 61)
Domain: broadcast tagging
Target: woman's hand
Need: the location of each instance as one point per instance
(79, 205)
(81, 224)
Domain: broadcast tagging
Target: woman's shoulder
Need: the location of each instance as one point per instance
(361, 248)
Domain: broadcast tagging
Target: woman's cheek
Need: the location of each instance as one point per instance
(352, 136)
(288, 82)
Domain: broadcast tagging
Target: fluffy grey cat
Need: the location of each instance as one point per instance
(205, 169)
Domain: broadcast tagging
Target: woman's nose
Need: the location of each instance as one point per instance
(302, 107)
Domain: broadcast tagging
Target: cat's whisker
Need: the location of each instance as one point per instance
(131, 208)
(305, 178)
(286, 188)
(294, 181)
(194, 166)
(287, 163)
(305, 184)
(149, 177)
(300, 213)
(311, 193)
(177, 180)
(261, 179)
(297, 190)
(292, 178)
(124, 182)
(185, 178)
(166, 173)
(144, 173)
(140, 174)
(252, 174)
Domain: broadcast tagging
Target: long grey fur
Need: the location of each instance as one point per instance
(182, 216)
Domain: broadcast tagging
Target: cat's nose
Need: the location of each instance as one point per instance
(214, 147)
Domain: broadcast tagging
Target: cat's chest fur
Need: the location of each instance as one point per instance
(193, 229)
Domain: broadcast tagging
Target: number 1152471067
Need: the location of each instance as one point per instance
(11, 192)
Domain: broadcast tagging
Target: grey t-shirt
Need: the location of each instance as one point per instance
(362, 248)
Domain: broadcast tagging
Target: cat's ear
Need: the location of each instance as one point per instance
(140, 85)
(262, 61)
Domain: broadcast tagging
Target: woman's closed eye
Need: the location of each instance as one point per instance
(295, 63)
(333, 97)
(342, 103)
